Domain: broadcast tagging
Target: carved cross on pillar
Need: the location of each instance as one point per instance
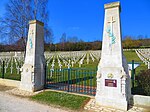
(109, 30)
(111, 24)
(30, 39)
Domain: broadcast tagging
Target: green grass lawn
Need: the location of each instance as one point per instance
(131, 55)
(70, 101)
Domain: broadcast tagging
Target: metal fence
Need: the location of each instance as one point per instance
(10, 70)
(2, 66)
(77, 80)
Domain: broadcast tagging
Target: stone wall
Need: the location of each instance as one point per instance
(141, 100)
(8, 82)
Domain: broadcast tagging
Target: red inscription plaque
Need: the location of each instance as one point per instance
(110, 82)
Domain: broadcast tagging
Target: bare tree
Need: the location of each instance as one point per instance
(73, 39)
(19, 13)
(63, 40)
(40, 13)
(15, 21)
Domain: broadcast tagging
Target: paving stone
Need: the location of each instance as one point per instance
(140, 108)
(100, 109)
(119, 111)
(107, 110)
(93, 107)
(96, 111)
(85, 108)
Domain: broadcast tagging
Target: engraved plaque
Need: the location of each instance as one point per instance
(110, 83)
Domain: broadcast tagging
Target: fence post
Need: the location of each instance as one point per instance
(148, 64)
(45, 81)
(3, 70)
(132, 74)
(68, 78)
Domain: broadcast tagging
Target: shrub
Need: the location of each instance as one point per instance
(144, 81)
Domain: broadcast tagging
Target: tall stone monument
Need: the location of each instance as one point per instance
(33, 70)
(113, 81)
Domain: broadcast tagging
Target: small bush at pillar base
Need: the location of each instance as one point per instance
(144, 81)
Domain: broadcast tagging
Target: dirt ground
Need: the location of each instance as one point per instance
(5, 88)
(12, 103)
(13, 100)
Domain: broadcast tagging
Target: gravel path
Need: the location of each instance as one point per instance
(10, 103)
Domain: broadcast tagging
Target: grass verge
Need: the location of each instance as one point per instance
(73, 102)
(131, 55)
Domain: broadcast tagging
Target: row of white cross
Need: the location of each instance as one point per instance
(144, 55)
(14, 60)
(11, 63)
(68, 59)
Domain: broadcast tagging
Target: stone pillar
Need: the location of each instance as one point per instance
(33, 70)
(113, 81)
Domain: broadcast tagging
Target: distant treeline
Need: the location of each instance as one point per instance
(77, 46)
(128, 43)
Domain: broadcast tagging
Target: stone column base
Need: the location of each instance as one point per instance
(30, 87)
(117, 103)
